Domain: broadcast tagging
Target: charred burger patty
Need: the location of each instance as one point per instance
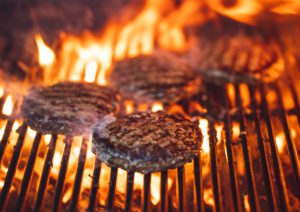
(146, 141)
(237, 57)
(67, 108)
(158, 77)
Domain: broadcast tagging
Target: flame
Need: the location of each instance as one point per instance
(89, 57)
(250, 11)
(280, 142)
(203, 125)
(8, 106)
(1, 92)
(157, 107)
(47, 139)
(208, 196)
(46, 54)
(246, 203)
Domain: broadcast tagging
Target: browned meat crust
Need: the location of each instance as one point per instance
(238, 57)
(146, 141)
(158, 77)
(68, 108)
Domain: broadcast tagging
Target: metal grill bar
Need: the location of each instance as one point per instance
(146, 195)
(213, 156)
(2, 101)
(262, 151)
(291, 146)
(164, 191)
(198, 184)
(232, 169)
(45, 174)
(95, 184)
(181, 190)
(28, 171)
(7, 131)
(281, 186)
(13, 165)
(129, 189)
(62, 173)
(247, 159)
(112, 188)
(79, 174)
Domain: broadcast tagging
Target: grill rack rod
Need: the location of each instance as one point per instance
(231, 164)
(279, 176)
(13, 166)
(281, 186)
(62, 173)
(79, 174)
(247, 158)
(28, 171)
(45, 174)
(262, 151)
(291, 146)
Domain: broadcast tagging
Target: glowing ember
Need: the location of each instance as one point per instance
(280, 142)
(156, 107)
(46, 55)
(246, 203)
(8, 106)
(129, 107)
(208, 197)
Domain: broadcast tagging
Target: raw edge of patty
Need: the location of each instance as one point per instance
(68, 108)
(146, 142)
(160, 76)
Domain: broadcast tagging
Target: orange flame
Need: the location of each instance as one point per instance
(250, 11)
(8, 106)
(46, 54)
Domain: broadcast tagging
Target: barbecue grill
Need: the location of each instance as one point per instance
(250, 161)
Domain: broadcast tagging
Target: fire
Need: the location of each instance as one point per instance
(250, 11)
(157, 107)
(280, 142)
(203, 125)
(8, 106)
(46, 54)
(89, 57)
(1, 92)
(246, 203)
(208, 197)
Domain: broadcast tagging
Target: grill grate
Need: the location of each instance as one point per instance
(260, 116)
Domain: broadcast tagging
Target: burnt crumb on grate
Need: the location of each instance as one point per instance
(158, 77)
(68, 108)
(146, 141)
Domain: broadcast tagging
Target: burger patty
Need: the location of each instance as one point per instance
(237, 57)
(68, 108)
(146, 141)
(158, 77)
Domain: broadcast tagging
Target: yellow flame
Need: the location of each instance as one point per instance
(157, 107)
(208, 196)
(246, 203)
(47, 139)
(46, 54)
(91, 71)
(1, 92)
(8, 106)
(203, 125)
(280, 142)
